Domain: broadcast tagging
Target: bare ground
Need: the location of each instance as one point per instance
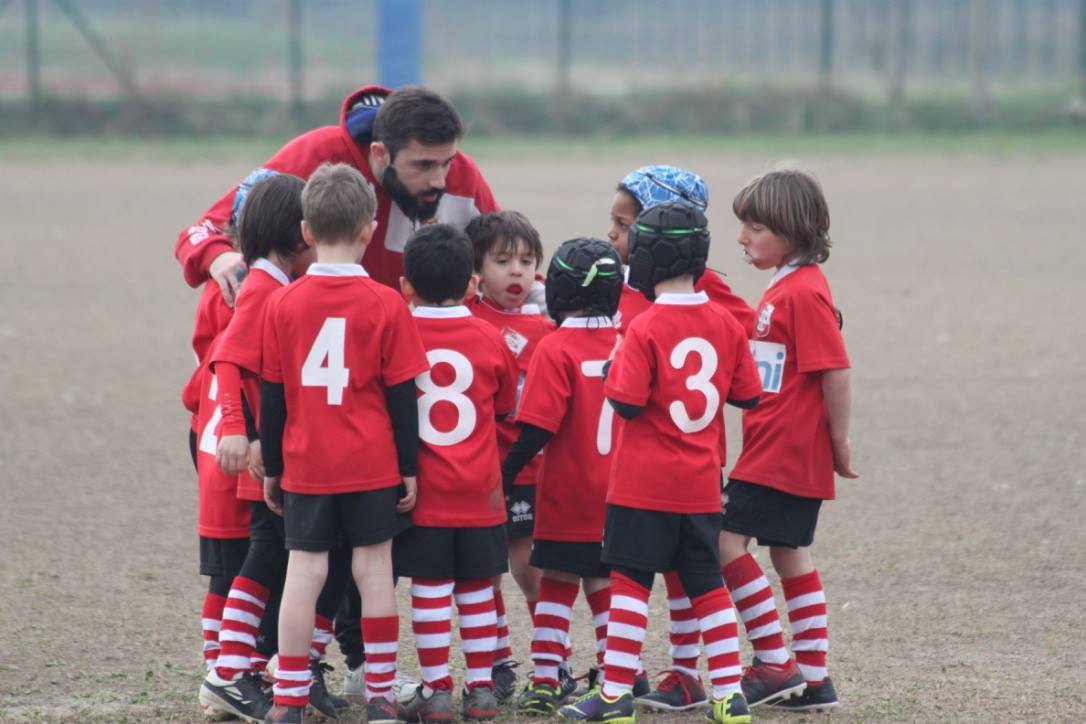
(954, 567)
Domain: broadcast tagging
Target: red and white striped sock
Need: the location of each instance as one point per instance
(292, 680)
(478, 630)
(599, 603)
(240, 626)
(720, 632)
(807, 615)
(260, 662)
(380, 639)
(502, 650)
(431, 613)
(625, 634)
(550, 628)
(685, 634)
(211, 622)
(322, 636)
(753, 597)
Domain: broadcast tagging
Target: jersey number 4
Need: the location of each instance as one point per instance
(323, 366)
(463, 376)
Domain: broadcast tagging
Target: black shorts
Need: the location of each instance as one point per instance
(264, 525)
(774, 517)
(459, 553)
(321, 522)
(652, 540)
(521, 509)
(222, 556)
(580, 559)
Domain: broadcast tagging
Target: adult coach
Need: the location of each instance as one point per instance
(405, 143)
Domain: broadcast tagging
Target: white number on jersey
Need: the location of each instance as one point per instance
(700, 381)
(323, 365)
(594, 368)
(463, 376)
(209, 441)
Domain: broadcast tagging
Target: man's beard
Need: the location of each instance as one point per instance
(409, 203)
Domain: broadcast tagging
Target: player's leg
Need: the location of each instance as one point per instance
(681, 687)
(550, 632)
(339, 573)
(480, 553)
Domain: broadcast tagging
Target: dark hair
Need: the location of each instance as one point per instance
(271, 219)
(437, 261)
(502, 229)
(415, 114)
(337, 202)
(791, 204)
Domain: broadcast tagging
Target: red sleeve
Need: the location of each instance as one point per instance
(270, 363)
(403, 355)
(819, 344)
(229, 378)
(719, 292)
(630, 377)
(547, 390)
(241, 342)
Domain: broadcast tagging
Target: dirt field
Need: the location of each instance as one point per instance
(954, 567)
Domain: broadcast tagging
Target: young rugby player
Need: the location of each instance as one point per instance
(793, 442)
(339, 434)
(507, 253)
(679, 362)
(457, 544)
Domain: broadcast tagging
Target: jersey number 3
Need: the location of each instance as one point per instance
(700, 381)
(323, 366)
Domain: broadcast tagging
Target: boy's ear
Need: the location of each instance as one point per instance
(379, 155)
(307, 235)
(407, 290)
(367, 231)
(473, 287)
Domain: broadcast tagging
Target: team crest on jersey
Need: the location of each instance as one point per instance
(765, 317)
(514, 340)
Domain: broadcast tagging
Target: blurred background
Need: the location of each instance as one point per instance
(594, 67)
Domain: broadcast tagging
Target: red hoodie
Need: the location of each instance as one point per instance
(466, 195)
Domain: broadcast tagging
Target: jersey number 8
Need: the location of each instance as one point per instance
(463, 376)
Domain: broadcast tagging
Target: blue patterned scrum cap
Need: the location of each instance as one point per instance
(244, 188)
(652, 185)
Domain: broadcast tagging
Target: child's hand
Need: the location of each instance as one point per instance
(233, 454)
(273, 495)
(407, 502)
(256, 461)
(224, 272)
(842, 458)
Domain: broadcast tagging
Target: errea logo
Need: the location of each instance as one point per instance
(769, 358)
(521, 510)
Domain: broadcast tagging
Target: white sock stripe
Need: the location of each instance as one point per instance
(431, 614)
(625, 631)
(211, 624)
(692, 673)
(721, 692)
(234, 662)
(478, 646)
(806, 624)
(545, 671)
(762, 631)
(679, 604)
(291, 675)
(549, 635)
(433, 673)
(685, 627)
(474, 676)
(443, 590)
(600, 619)
(503, 620)
(810, 645)
(685, 651)
(239, 636)
(749, 589)
(236, 614)
(757, 610)
(379, 667)
(812, 673)
(717, 619)
(322, 635)
(543, 656)
(294, 691)
(726, 646)
(772, 656)
(468, 597)
(620, 660)
(550, 608)
(503, 643)
(243, 596)
(725, 672)
(628, 603)
(432, 641)
(477, 620)
(807, 599)
(381, 647)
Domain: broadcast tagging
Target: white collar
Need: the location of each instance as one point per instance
(586, 322)
(272, 270)
(683, 299)
(457, 310)
(318, 269)
(782, 273)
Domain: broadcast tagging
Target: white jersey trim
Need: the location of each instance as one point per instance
(782, 273)
(688, 299)
(457, 310)
(272, 270)
(586, 322)
(336, 270)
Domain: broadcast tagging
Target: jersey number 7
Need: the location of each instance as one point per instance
(594, 368)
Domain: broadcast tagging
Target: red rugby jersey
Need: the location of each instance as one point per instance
(240, 345)
(336, 339)
(680, 360)
(472, 379)
(221, 513)
(563, 394)
(633, 302)
(212, 316)
(521, 329)
(786, 438)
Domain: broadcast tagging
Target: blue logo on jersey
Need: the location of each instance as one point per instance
(769, 358)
